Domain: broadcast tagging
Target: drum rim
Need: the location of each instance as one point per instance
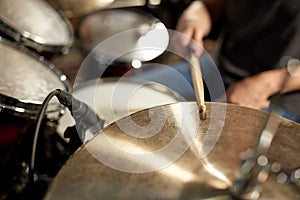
(28, 109)
(29, 40)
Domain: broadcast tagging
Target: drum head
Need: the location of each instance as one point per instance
(124, 35)
(113, 99)
(181, 159)
(36, 24)
(26, 81)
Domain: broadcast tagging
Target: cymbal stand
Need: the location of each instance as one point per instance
(254, 169)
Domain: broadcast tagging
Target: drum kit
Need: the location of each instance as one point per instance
(152, 144)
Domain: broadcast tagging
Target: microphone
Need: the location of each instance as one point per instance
(86, 119)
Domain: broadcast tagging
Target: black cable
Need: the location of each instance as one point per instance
(85, 118)
(37, 129)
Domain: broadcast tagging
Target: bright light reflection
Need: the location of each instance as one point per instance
(63, 78)
(216, 173)
(153, 40)
(154, 2)
(180, 174)
(172, 171)
(210, 168)
(136, 63)
(20, 110)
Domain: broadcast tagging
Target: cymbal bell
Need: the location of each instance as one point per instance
(187, 158)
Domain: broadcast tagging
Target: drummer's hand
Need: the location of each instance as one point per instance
(194, 23)
(253, 91)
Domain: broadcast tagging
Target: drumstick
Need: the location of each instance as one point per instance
(198, 84)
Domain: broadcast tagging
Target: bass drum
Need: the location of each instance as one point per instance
(35, 24)
(113, 98)
(26, 80)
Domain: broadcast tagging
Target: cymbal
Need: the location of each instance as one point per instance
(172, 164)
(78, 8)
(124, 35)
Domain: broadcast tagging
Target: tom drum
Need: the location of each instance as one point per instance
(35, 24)
(113, 99)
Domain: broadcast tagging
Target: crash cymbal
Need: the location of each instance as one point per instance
(172, 164)
(78, 8)
(123, 35)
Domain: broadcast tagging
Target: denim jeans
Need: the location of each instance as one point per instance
(177, 77)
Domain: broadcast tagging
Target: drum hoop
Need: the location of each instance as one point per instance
(28, 109)
(29, 39)
(17, 109)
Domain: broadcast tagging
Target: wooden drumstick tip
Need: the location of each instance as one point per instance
(202, 112)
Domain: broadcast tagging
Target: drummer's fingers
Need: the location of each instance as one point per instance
(265, 104)
(182, 39)
(188, 40)
(196, 45)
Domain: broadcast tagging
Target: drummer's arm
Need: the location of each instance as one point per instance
(200, 15)
(197, 19)
(284, 80)
(255, 91)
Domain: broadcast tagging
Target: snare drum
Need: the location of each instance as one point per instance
(24, 84)
(26, 80)
(35, 24)
(113, 99)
